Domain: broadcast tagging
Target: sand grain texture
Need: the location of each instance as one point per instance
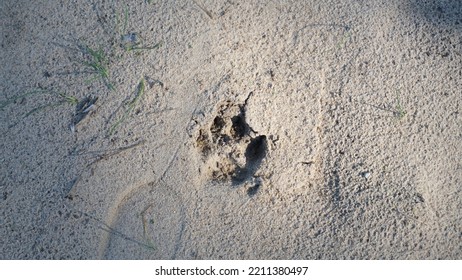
(340, 137)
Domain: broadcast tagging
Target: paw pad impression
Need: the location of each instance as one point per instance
(228, 151)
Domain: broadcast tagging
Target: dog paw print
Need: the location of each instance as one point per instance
(230, 149)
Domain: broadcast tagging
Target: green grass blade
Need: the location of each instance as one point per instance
(130, 106)
(124, 30)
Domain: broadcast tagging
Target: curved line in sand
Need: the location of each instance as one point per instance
(113, 212)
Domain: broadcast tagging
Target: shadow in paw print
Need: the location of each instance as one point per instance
(239, 127)
(253, 190)
(254, 154)
(216, 129)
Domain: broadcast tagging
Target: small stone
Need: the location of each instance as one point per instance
(366, 175)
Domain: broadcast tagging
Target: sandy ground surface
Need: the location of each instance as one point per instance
(265, 129)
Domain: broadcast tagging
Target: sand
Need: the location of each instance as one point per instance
(265, 130)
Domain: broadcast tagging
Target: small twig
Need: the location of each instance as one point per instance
(102, 225)
(99, 155)
(247, 99)
(108, 153)
(144, 222)
(209, 14)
